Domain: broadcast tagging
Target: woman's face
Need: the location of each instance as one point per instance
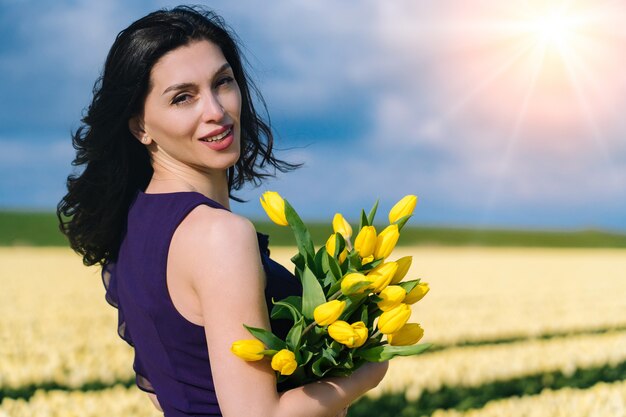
(192, 111)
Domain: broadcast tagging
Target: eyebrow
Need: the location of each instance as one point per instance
(182, 86)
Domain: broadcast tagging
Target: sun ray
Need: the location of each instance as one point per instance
(485, 82)
(548, 77)
(575, 65)
(512, 139)
(595, 130)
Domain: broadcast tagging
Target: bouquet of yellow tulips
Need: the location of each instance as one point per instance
(352, 299)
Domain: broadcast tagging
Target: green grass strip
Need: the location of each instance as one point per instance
(466, 398)
(396, 405)
(28, 391)
(41, 229)
(30, 229)
(448, 236)
(543, 336)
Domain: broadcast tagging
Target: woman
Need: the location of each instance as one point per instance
(171, 131)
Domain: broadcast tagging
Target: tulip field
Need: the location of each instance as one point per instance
(531, 332)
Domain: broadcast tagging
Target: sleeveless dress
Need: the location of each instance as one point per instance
(171, 355)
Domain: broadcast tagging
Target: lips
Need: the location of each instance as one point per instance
(218, 135)
(220, 139)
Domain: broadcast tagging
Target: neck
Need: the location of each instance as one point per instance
(213, 185)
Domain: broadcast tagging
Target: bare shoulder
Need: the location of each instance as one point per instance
(208, 225)
(211, 242)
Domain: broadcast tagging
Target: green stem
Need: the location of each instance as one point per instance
(308, 328)
(335, 296)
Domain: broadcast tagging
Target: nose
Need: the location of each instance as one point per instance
(212, 110)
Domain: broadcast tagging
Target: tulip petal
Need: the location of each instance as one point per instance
(402, 208)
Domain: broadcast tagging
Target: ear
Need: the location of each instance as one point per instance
(135, 125)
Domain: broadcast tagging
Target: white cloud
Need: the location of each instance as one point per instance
(431, 129)
(24, 152)
(74, 37)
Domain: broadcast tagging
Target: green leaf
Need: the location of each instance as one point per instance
(347, 361)
(364, 315)
(319, 259)
(315, 337)
(321, 366)
(333, 288)
(329, 280)
(287, 308)
(372, 213)
(351, 291)
(330, 355)
(354, 261)
(376, 299)
(352, 304)
(303, 237)
(305, 357)
(268, 338)
(373, 311)
(334, 267)
(312, 293)
(369, 266)
(409, 285)
(402, 221)
(298, 261)
(384, 353)
(363, 222)
(294, 335)
(335, 346)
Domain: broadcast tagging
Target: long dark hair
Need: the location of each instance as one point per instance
(93, 212)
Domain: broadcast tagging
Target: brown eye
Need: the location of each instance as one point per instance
(181, 98)
(224, 81)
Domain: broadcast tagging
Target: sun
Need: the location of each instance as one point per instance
(549, 67)
(555, 28)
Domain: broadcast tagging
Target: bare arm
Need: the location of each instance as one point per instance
(218, 254)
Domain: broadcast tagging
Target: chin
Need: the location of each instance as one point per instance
(225, 162)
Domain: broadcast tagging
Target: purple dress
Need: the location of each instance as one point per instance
(171, 356)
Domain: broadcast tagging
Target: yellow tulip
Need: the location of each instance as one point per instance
(386, 241)
(325, 314)
(351, 336)
(391, 321)
(367, 260)
(409, 334)
(284, 361)
(392, 296)
(417, 293)
(248, 350)
(274, 206)
(342, 332)
(404, 264)
(365, 241)
(361, 334)
(381, 275)
(340, 225)
(402, 208)
(352, 279)
(331, 246)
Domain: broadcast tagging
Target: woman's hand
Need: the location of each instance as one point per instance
(374, 372)
(343, 413)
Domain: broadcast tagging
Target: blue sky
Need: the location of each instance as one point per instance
(378, 99)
